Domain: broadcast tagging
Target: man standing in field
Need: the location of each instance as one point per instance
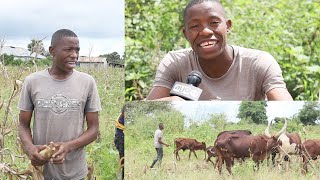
(62, 99)
(158, 142)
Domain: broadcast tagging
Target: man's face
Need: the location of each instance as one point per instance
(65, 53)
(206, 29)
(161, 127)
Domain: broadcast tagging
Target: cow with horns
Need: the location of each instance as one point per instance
(230, 146)
(288, 144)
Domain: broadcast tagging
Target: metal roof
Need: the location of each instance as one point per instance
(20, 52)
(92, 59)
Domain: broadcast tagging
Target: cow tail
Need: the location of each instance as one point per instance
(174, 146)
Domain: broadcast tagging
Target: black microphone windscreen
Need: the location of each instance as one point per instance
(194, 78)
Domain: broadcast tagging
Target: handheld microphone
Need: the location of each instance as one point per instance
(189, 91)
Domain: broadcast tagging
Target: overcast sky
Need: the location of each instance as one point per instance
(99, 24)
(200, 111)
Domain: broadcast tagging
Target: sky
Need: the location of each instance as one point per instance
(99, 24)
(200, 111)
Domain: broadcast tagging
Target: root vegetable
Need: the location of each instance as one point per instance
(48, 151)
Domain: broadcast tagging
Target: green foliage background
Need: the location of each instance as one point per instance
(9, 60)
(289, 31)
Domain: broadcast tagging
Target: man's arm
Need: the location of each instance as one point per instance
(86, 138)
(29, 148)
(279, 94)
(161, 142)
(162, 94)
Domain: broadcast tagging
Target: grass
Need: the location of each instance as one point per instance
(138, 162)
(102, 153)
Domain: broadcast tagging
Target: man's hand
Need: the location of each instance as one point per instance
(62, 150)
(35, 157)
(162, 94)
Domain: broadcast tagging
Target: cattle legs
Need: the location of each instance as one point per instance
(193, 153)
(176, 152)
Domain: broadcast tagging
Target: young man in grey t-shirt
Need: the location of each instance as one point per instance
(158, 142)
(61, 100)
(228, 72)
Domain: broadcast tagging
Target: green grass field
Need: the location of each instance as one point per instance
(140, 152)
(101, 154)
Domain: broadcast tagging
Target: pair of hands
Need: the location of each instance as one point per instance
(57, 158)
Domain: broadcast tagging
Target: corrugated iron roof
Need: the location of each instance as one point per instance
(20, 52)
(92, 59)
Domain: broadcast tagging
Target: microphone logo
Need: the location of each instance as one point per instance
(189, 91)
(186, 91)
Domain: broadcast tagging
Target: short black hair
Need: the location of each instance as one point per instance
(194, 2)
(60, 34)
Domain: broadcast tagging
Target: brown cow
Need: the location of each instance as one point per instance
(187, 143)
(230, 146)
(310, 150)
(246, 132)
(211, 153)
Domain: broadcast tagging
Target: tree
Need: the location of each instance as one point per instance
(254, 110)
(113, 58)
(134, 109)
(36, 46)
(218, 121)
(309, 113)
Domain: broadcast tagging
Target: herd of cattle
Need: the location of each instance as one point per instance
(241, 144)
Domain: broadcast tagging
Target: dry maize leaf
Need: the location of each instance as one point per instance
(17, 85)
(37, 172)
(90, 175)
(6, 131)
(1, 141)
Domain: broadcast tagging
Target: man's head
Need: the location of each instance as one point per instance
(161, 126)
(206, 27)
(64, 50)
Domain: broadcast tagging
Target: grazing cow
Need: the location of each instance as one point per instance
(230, 146)
(211, 153)
(310, 150)
(246, 132)
(288, 144)
(187, 143)
(239, 132)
